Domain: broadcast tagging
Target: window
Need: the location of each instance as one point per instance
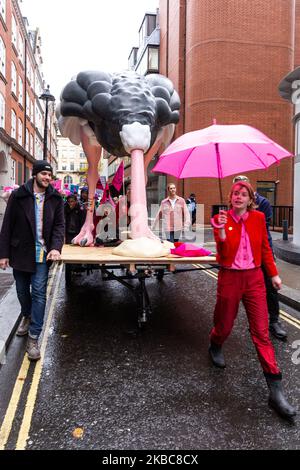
(2, 57)
(14, 31)
(20, 171)
(64, 167)
(13, 123)
(13, 78)
(31, 112)
(2, 111)
(21, 48)
(3, 9)
(68, 179)
(267, 189)
(31, 144)
(20, 91)
(20, 131)
(72, 166)
(27, 103)
(153, 59)
(27, 140)
(13, 170)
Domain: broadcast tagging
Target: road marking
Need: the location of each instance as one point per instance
(13, 404)
(294, 319)
(283, 315)
(32, 394)
(7, 423)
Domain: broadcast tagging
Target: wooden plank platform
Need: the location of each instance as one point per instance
(103, 255)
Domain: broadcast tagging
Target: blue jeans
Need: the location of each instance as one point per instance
(33, 303)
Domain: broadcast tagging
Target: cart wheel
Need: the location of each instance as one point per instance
(68, 275)
(160, 274)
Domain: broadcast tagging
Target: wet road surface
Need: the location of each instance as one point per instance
(115, 387)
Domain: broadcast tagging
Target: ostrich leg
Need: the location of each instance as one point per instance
(93, 153)
(138, 207)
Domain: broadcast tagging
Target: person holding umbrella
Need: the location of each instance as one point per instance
(242, 248)
(275, 327)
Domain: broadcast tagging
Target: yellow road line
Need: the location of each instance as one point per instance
(13, 404)
(290, 321)
(31, 398)
(290, 317)
(15, 397)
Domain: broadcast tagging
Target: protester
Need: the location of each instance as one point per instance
(74, 218)
(242, 248)
(264, 206)
(31, 238)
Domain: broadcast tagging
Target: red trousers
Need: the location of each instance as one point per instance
(248, 286)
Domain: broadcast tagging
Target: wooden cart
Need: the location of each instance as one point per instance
(122, 269)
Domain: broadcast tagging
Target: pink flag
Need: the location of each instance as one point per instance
(119, 176)
(107, 197)
(56, 184)
(101, 183)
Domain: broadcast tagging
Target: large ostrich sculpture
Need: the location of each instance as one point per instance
(128, 115)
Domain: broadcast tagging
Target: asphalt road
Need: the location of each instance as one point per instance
(103, 384)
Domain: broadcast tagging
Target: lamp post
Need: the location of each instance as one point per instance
(46, 96)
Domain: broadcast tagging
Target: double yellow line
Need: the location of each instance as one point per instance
(7, 424)
(284, 315)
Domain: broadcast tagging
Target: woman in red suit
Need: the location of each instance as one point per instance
(242, 248)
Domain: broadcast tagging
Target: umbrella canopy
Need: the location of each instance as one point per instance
(219, 151)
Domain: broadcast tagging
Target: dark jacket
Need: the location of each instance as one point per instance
(18, 234)
(265, 207)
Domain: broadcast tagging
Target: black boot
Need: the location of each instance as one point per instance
(216, 355)
(277, 400)
(277, 330)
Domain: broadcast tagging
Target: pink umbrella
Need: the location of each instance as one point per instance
(218, 151)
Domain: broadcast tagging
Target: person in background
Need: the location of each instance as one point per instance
(174, 214)
(192, 207)
(242, 248)
(31, 237)
(74, 218)
(264, 206)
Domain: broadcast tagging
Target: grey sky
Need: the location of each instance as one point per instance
(85, 34)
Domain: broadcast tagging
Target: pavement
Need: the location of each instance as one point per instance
(10, 309)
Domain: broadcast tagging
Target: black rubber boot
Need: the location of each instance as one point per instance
(216, 355)
(277, 400)
(277, 331)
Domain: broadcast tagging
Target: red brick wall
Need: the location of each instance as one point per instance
(233, 57)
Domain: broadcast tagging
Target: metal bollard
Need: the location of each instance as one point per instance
(285, 227)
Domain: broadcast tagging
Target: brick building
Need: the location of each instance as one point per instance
(21, 111)
(226, 59)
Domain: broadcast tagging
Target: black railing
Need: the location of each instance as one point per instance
(281, 213)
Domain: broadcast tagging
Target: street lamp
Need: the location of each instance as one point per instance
(46, 96)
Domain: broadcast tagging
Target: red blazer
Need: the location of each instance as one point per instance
(256, 229)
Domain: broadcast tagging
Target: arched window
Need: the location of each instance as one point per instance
(68, 179)
(2, 111)
(13, 79)
(2, 57)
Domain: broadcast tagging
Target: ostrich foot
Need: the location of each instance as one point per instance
(85, 236)
(143, 248)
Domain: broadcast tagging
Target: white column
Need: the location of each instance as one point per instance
(296, 234)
